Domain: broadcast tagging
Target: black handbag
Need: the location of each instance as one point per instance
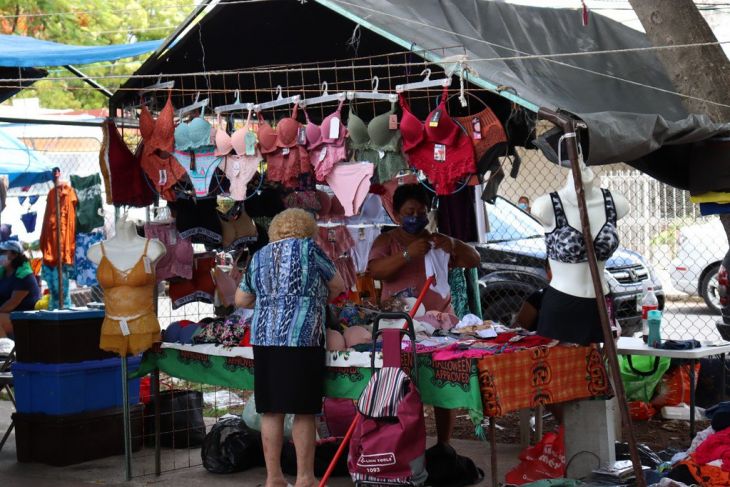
(181, 419)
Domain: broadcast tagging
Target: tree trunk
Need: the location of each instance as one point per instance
(704, 71)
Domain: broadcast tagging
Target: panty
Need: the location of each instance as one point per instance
(364, 236)
(200, 164)
(200, 288)
(197, 220)
(334, 241)
(240, 170)
(178, 260)
(238, 231)
(351, 182)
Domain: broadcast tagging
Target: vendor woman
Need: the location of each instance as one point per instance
(19, 290)
(397, 260)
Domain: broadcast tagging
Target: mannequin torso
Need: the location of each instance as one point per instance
(575, 279)
(125, 248)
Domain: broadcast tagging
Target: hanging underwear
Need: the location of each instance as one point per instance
(326, 151)
(200, 164)
(287, 161)
(439, 147)
(377, 142)
(158, 139)
(490, 133)
(334, 241)
(330, 207)
(363, 236)
(389, 188)
(265, 202)
(241, 157)
(85, 268)
(126, 178)
(29, 221)
(199, 288)
(371, 212)
(351, 182)
(238, 231)
(197, 220)
(178, 260)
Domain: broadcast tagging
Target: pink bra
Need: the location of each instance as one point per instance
(319, 134)
(285, 135)
(236, 142)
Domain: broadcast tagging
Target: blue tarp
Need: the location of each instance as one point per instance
(20, 51)
(22, 165)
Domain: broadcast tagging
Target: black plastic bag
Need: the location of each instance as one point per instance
(324, 452)
(647, 456)
(231, 447)
(181, 419)
(446, 468)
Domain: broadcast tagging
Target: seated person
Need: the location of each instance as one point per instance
(19, 290)
(397, 260)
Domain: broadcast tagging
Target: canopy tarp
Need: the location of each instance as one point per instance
(21, 51)
(22, 165)
(625, 97)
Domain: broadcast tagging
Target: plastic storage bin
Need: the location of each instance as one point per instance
(67, 440)
(58, 337)
(72, 388)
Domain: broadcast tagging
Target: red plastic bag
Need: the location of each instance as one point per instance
(545, 460)
(641, 411)
(674, 386)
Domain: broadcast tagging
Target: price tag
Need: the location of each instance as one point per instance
(172, 236)
(285, 151)
(477, 128)
(322, 154)
(439, 152)
(334, 128)
(332, 235)
(163, 176)
(393, 122)
(302, 136)
(381, 153)
(124, 327)
(147, 265)
(250, 141)
(434, 122)
(237, 167)
(361, 233)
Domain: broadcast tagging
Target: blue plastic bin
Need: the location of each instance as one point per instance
(59, 389)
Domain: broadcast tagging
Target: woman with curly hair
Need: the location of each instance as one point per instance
(288, 284)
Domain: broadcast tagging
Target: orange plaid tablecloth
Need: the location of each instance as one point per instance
(540, 375)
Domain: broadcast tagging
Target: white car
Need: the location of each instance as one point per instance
(700, 250)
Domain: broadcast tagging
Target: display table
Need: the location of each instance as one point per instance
(636, 346)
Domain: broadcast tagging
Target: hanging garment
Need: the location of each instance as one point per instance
(389, 188)
(85, 269)
(437, 265)
(326, 142)
(488, 137)
(330, 207)
(50, 275)
(287, 161)
(241, 156)
(200, 165)
(127, 185)
(363, 236)
(378, 142)
(266, 202)
(456, 215)
(200, 287)
(439, 147)
(178, 258)
(371, 212)
(350, 182)
(346, 269)
(459, 292)
(49, 242)
(566, 244)
(89, 213)
(334, 241)
(192, 135)
(29, 221)
(158, 144)
(238, 231)
(197, 220)
(130, 324)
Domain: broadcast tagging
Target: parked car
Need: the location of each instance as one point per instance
(723, 288)
(512, 267)
(700, 250)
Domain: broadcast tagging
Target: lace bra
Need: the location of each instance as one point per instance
(192, 135)
(566, 244)
(376, 134)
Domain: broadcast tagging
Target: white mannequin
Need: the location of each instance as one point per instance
(125, 248)
(575, 279)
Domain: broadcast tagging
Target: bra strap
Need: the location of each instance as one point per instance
(146, 244)
(103, 252)
(560, 218)
(339, 105)
(610, 205)
(295, 111)
(403, 102)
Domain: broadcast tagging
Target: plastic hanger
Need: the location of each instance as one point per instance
(198, 103)
(323, 98)
(279, 101)
(372, 95)
(160, 85)
(235, 106)
(426, 83)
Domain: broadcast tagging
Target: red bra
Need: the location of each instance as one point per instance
(285, 134)
(158, 134)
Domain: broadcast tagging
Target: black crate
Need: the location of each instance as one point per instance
(74, 438)
(59, 337)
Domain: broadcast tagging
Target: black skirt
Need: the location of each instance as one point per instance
(289, 380)
(569, 318)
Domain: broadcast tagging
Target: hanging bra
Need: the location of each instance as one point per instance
(158, 134)
(324, 151)
(287, 161)
(235, 144)
(376, 142)
(193, 134)
(566, 244)
(238, 167)
(284, 136)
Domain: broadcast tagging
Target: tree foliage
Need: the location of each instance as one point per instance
(89, 22)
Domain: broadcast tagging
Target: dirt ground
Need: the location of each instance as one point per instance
(659, 434)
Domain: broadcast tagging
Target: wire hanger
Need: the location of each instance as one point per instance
(426, 83)
(279, 101)
(372, 95)
(323, 98)
(198, 103)
(160, 85)
(235, 106)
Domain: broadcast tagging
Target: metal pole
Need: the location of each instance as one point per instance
(156, 398)
(493, 450)
(127, 425)
(569, 126)
(59, 248)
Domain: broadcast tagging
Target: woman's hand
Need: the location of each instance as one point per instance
(444, 243)
(418, 248)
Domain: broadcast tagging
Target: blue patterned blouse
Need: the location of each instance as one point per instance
(289, 278)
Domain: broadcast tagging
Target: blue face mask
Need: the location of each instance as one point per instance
(522, 206)
(414, 224)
